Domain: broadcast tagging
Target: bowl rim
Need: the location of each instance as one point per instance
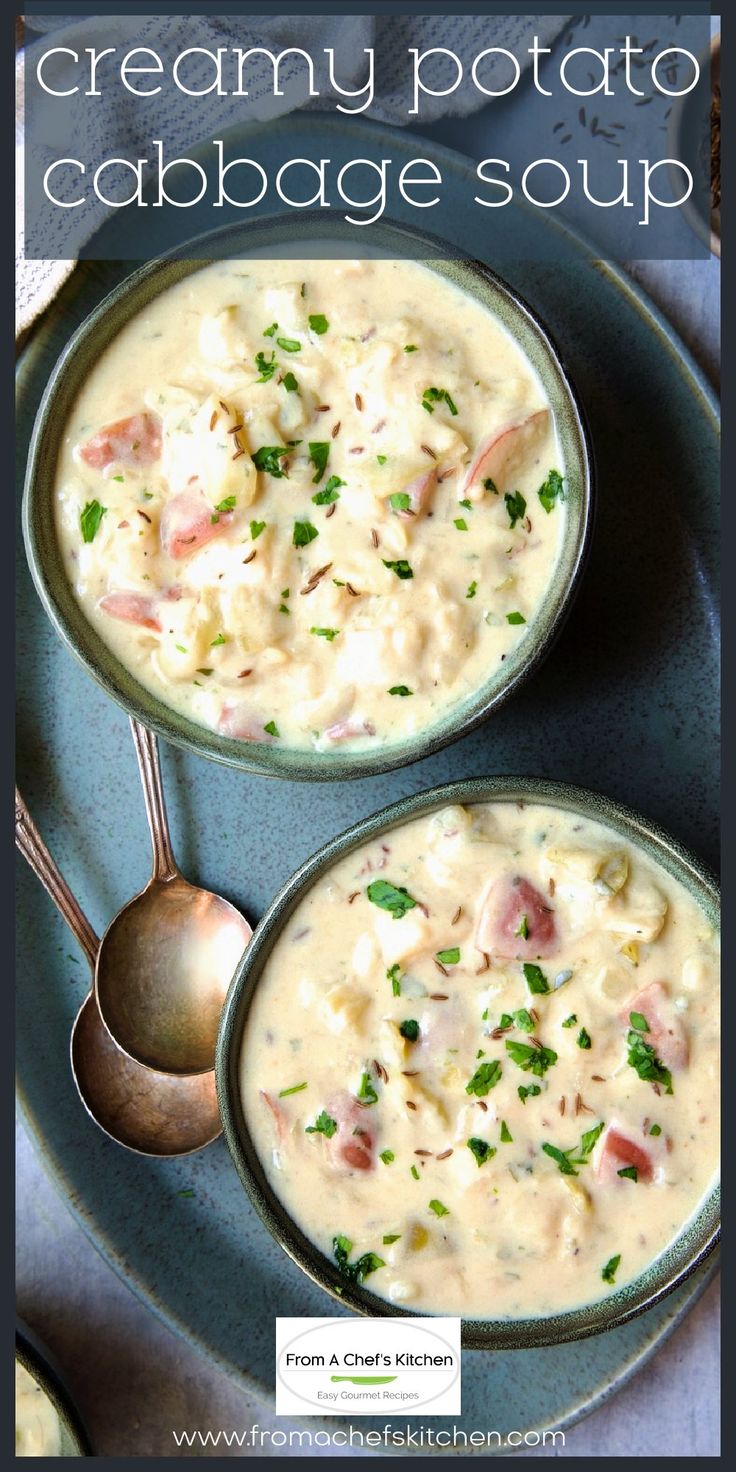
(41, 1365)
(699, 1234)
(85, 644)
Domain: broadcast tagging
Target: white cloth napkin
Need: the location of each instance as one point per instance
(123, 126)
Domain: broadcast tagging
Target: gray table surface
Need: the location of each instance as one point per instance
(134, 1379)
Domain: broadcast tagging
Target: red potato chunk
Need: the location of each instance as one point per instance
(352, 1145)
(243, 724)
(348, 729)
(616, 1152)
(134, 441)
(666, 1032)
(504, 454)
(277, 1115)
(133, 608)
(509, 906)
(419, 492)
(189, 522)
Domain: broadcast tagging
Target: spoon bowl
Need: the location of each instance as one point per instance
(152, 1113)
(167, 959)
(163, 970)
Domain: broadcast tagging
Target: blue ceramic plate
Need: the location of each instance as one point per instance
(626, 703)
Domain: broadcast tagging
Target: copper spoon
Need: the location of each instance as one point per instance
(153, 1113)
(167, 959)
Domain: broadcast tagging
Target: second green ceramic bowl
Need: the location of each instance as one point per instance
(697, 1237)
(78, 360)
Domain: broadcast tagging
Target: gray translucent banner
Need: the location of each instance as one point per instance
(494, 134)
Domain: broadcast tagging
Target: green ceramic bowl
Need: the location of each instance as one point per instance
(699, 1235)
(44, 556)
(36, 1359)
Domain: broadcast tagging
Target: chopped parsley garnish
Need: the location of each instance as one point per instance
(409, 1030)
(387, 1156)
(461, 523)
(272, 330)
(318, 324)
(394, 976)
(415, 1173)
(515, 505)
(449, 957)
(319, 451)
(432, 396)
(638, 1022)
(438, 1208)
(400, 500)
(120, 477)
(324, 1124)
(391, 897)
(506, 1135)
(392, 1237)
(289, 344)
(629, 1173)
(528, 1091)
(295, 1089)
(531, 1059)
(583, 1039)
(303, 534)
(366, 1092)
(290, 383)
(566, 1160)
(410, 347)
(268, 459)
(266, 367)
(515, 618)
(571, 1020)
(216, 642)
(330, 492)
(523, 1019)
(228, 504)
(272, 728)
(535, 978)
(256, 527)
(328, 634)
(204, 672)
(400, 567)
(643, 1058)
(522, 929)
(485, 1078)
(480, 1149)
(382, 459)
(490, 485)
(356, 1271)
(552, 490)
(472, 590)
(400, 690)
(608, 1273)
(656, 1129)
(89, 520)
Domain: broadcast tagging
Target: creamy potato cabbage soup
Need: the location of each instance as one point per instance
(480, 1066)
(312, 502)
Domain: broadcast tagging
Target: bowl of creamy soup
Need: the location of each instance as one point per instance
(310, 516)
(46, 1420)
(469, 1063)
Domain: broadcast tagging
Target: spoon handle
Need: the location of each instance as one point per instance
(146, 750)
(34, 850)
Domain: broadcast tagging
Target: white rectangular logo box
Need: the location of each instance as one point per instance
(368, 1367)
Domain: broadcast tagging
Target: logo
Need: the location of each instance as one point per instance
(368, 1367)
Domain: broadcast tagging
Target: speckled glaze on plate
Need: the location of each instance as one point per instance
(697, 1238)
(35, 1358)
(627, 702)
(77, 359)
